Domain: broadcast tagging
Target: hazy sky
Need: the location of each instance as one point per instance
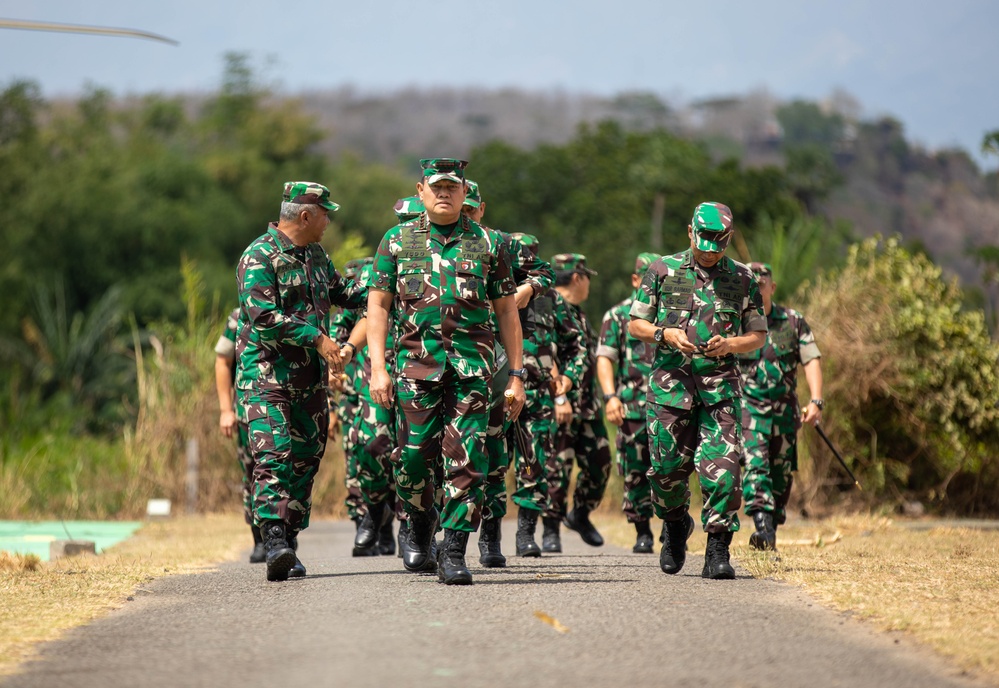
(931, 64)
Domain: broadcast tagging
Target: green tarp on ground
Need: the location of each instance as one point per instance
(33, 537)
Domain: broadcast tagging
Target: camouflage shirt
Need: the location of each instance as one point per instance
(770, 374)
(341, 325)
(585, 402)
(551, 336)
(723, 300)
(632, 358)
(443, 283)
(285, 294)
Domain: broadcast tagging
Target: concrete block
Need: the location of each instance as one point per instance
(69, 548)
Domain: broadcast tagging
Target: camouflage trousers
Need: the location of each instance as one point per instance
(287, 431)
(770, 456)
(537, 421)
(705, 439)
(633, 463)
(347, 409)
(373, 438)
(498, 452)
(246, 467)
(443, 431)
(537, 427)
(585, 443)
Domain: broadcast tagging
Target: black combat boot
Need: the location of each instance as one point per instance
(551, 541)
(765, 536)
(579, 520)
(280, 556)
(643, 542)
(451, 569)
(402, 535)
(674, 551)
(716, 561)
(490, 535)
(366, 538)
(386, 538)
(298, 570)
(416, 548)
(259, 554)
(527, 523)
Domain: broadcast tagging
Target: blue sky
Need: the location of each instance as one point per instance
(930, 64)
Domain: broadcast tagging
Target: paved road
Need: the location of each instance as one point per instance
(366, 622)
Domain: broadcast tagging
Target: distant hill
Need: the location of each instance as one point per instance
(937, 200)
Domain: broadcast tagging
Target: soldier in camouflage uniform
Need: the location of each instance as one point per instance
(375, 427)
(441, 273)
(584, 438)
(233, 423)
(287, 284)
(699, 308)
(770, 413)
(554, 348)
(532, 276)
(623, 368)
(348, 401)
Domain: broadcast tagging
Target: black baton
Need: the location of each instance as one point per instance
(822, 434)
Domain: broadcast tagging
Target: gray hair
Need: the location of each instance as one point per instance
(291, 211)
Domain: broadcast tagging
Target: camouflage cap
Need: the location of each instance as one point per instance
(408, 208)
(352, 268)
(308, 193)
(571, 262)
(712, 226)
(472, 195)
(761, 269)
(436, 169)
(528, 241)
(643, 262)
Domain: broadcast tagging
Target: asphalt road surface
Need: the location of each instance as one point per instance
(588, 617)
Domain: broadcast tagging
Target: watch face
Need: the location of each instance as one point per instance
(658, 336)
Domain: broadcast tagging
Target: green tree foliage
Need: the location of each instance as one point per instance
(912, 379)
(600, 195)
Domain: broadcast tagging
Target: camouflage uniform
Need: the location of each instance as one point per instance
(285, 294)
(442, 284)
(551, 336)
(632, 359)
(348, 403)
(694, 401)
(527, 269)
(584, 439)
(771, 416)
(374, 426)
(226, 346)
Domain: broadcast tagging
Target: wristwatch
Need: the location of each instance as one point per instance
(658, 336)
(608, 397)
(820, 403)
(561, 399)
(518, 372)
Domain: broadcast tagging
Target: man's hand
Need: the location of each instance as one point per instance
(677, 338)
(563, 413)
(381, 387)
(523, 296)
(336, 381)
(514, 404)
(346, 354)
(614, 410)
(564, 385)
(227, 422)
(331, 352)
(813, 414)
(717, 347)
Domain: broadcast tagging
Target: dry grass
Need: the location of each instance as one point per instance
(39, 601)
(941, 586)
